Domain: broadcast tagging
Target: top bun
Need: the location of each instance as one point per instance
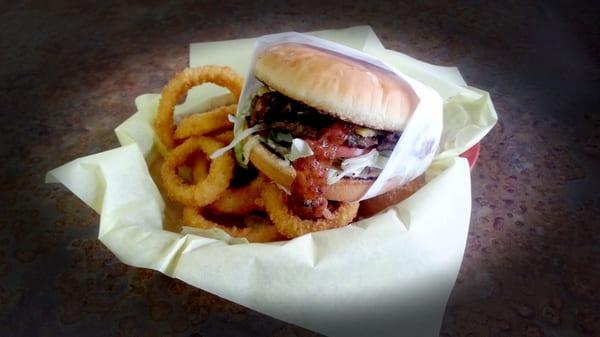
(347, 88)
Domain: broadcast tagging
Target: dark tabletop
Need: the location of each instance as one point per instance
(69, 74)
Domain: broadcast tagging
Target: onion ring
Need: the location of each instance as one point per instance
(185, 172)
(200, 168)
(202, 192)
(242, 200)
(254, 232)
(291, 226)
(224, 137)
(200, 124)
(178, 87)
(231, 202)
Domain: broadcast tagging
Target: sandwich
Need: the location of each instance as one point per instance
(321, 125)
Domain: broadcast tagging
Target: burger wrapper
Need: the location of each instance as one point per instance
(387, 275)
(419, 141)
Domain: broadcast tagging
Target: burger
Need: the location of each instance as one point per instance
(320, 124)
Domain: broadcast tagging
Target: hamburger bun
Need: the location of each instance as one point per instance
(381, 202)
(346, 88)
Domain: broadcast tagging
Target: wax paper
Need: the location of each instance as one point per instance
(389, 275)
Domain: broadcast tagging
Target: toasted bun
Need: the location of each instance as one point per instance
(349, 89)
(377, 204)
(283, 173)
(272, 166)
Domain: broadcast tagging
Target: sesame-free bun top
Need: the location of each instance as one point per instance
(347, 88)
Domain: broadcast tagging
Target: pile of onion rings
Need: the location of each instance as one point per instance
(189, 177)
(239, 201)
(201, 188)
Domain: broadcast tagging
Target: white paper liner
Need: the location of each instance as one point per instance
(388, 275)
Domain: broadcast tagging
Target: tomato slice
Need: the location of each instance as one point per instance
(334, 136)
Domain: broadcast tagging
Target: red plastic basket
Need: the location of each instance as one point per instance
(472, 155)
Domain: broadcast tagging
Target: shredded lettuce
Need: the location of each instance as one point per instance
(248, 148)
(299, 149)
(334, 175)
(238, 153)
(282, 137)
(282, 150)
(352, 167)
(237, 139)
(239, 124)
(263, 90)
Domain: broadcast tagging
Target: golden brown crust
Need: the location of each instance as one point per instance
(347, 189)
(377, 204)
(202, 123)
(178, 87)
(272, 166)
(351, 90)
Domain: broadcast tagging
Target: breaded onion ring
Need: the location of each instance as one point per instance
(200, 124)
(255, 232)
(202, 192)
(179, 85)
(224, 137)
(242, 200)
(291, 226)
(200, 167)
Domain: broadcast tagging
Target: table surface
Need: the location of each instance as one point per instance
(70, 74)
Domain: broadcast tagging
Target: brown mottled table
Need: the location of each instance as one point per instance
(69, 75)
